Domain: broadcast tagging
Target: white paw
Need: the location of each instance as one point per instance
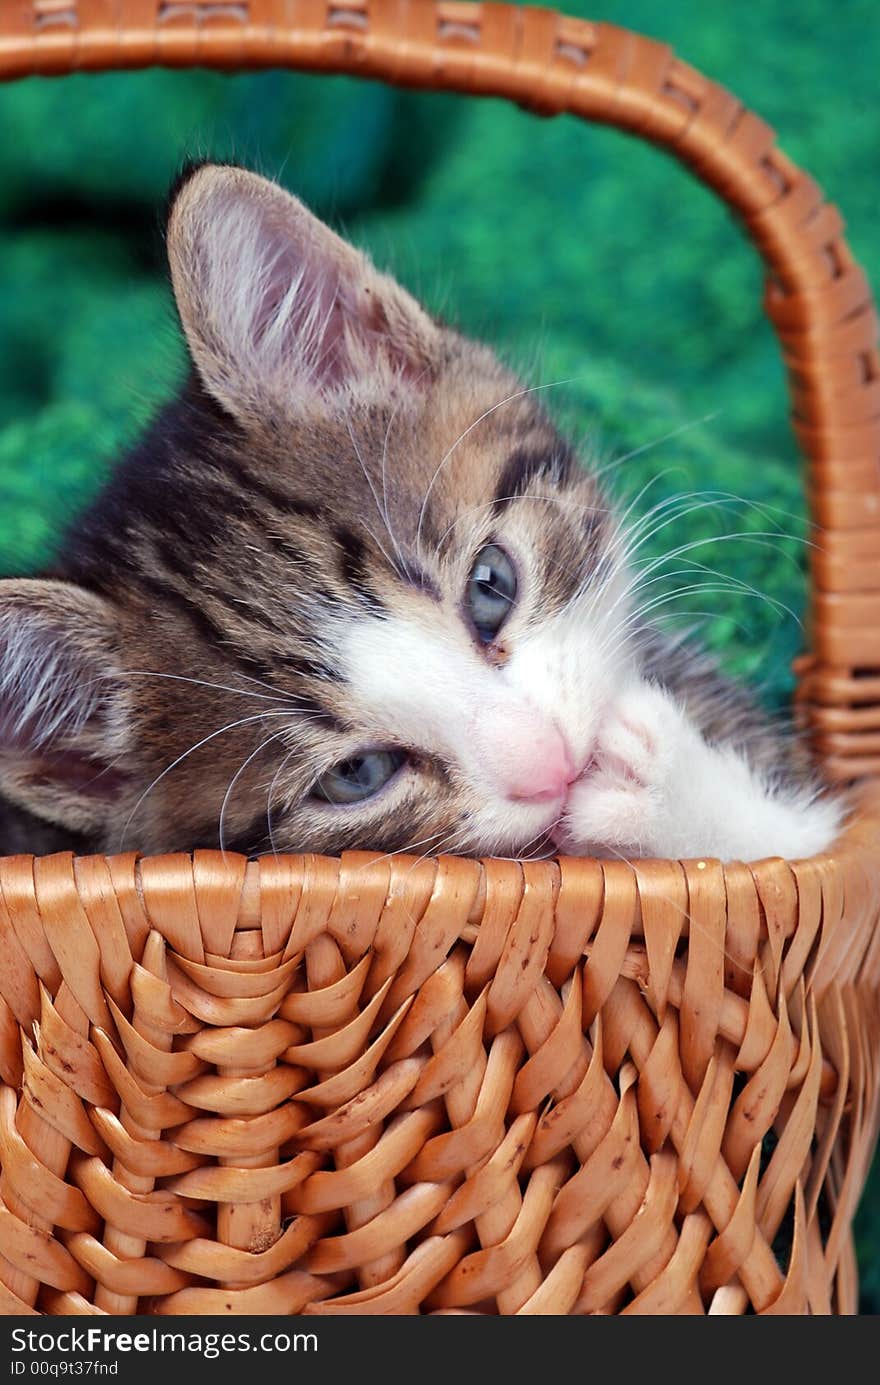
(622, 802)
(640, 737)
(656, 788)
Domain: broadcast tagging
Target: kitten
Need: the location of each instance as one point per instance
(352, 589)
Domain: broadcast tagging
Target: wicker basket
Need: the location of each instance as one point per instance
(386, 1086)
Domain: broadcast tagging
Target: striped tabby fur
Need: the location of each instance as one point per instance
(314, 501)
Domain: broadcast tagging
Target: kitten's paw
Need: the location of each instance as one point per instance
(640, 737)
(609, 814)
(621, 802)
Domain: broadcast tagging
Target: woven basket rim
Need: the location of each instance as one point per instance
(559, 874)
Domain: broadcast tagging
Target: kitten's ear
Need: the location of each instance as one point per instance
(277, 309)
(63, 720)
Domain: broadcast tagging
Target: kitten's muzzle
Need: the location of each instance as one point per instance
(526, 754)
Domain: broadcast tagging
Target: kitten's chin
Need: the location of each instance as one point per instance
(538, 845)
(563, 843)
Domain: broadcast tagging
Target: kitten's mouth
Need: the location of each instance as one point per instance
(557, 831)
(558, 834)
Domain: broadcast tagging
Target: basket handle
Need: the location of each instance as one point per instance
(817, 297)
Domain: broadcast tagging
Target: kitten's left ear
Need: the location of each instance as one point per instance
(278, 311)
(64, 725)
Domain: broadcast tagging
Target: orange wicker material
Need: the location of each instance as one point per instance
(375, 1085)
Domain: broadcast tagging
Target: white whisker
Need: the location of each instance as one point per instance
(518, 394)
(667, 437)
(234, 780)
(369, 480)
(230, 726)
(204, 683)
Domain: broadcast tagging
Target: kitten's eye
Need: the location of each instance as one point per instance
(491, 591)
(359, 777)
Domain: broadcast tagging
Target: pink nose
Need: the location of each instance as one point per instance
(526, 755)
(544, 774)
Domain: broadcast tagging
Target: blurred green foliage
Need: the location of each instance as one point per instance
(586, 257)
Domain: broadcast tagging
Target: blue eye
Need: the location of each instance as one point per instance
(491, 591)
(359, 777)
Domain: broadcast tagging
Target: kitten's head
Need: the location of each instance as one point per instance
(351, 590)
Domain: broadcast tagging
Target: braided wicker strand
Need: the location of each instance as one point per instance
(442, 1086)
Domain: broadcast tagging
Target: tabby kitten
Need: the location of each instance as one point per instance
(352, 589)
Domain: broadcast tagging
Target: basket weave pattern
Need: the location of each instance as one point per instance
(367, 1086)
(403, 1086)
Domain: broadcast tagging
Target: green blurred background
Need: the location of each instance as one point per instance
(586, 257)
